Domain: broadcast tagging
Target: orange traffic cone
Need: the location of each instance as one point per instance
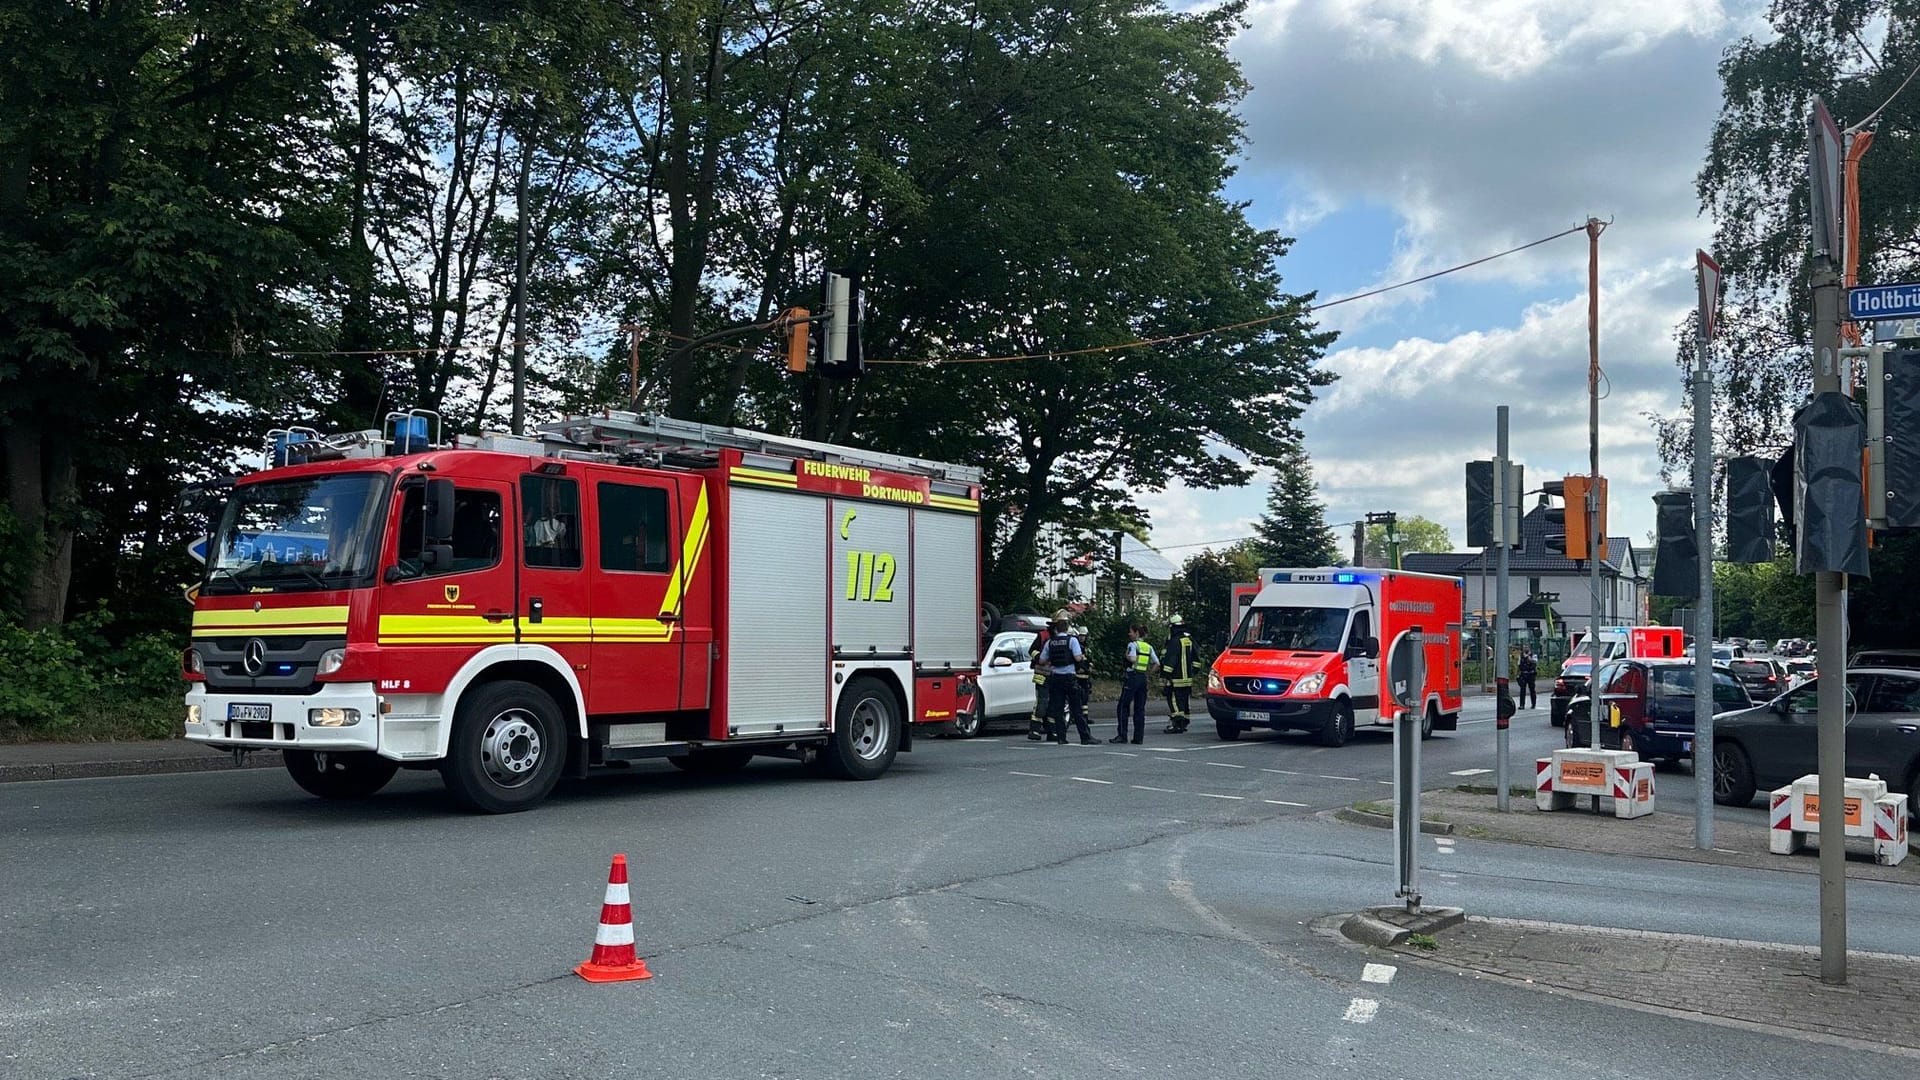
(613, 959)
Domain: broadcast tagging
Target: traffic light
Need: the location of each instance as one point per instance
(840, 353)
(1556, 535)
(1750, 529)
(797, 339)
(1676, 561)
(1479, 504)
(1581, 546)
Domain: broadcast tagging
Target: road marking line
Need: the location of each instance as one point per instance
(1042, 775)
(1089, 780)
(1464, 723)
(1470, 772)
(1324, 776)
(1121, 753)
(1384, 783)
(1378, 973)
(1162, 790)
(1361, 1010)
(1164, 750)
(1224, 765)
(1224, 746)
(1210, 795)
(1283, 772)
(1283, 802)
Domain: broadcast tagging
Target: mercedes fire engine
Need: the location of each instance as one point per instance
(509, 609)
(1305, 653)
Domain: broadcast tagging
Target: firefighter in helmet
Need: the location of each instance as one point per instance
(1177, 666)
(1037, 660)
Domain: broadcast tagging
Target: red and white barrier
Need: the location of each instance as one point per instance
(1871, 812)
(1619, 775)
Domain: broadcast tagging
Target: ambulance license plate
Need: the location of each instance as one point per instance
(1254, 717)
(238, 711)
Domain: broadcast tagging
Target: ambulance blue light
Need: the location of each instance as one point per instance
(1345, 579)
(1282, 577)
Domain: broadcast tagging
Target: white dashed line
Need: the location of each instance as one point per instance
(1378, 973)
(1224, 765)
(1324, 776)
(1042, 775)
(1089, 780)
(1162, 790)
(1361, 1010)
(1469, 772)
(1384, 783)
(1283, 772)
(1283, 802)
(1210, 795)
(1121, 753)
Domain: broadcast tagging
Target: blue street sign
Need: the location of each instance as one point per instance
(198, 549)
(1871, 302)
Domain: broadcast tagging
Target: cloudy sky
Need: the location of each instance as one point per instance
(1393, 138)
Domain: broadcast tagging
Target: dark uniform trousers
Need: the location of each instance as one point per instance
(1063, 697)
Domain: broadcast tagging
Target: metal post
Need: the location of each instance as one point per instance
(1703, 611)
(1360, 543)
(1829, 590)
(1502, 477)
(1592, 509)
(520, 292)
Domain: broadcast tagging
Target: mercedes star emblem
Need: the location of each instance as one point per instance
(255, 658)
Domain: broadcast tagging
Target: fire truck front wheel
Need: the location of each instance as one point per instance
(508, 748)
(352, 774)
(866, 731)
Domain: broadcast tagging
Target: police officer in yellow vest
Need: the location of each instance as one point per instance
(1176, 666)
(1141, 663)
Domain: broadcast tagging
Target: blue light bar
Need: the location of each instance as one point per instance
(1345, 579)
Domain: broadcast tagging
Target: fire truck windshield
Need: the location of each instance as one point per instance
(292, 535)
(1303, 629)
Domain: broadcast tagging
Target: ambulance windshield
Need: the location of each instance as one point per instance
(1302, 629)
(293, 535)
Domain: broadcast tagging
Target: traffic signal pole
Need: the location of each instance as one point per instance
(1703, 610)
(1503, 497)
(1829, 589)
(1594, 540)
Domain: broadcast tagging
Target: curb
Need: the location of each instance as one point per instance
(1381, 821)
(84, 770)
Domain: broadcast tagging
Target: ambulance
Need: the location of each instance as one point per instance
(1306, 654)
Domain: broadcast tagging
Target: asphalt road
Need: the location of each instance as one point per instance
(991, 908)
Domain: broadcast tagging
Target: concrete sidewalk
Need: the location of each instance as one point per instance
(1751, 985)
(72, 761)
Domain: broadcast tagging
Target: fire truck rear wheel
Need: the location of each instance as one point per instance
(1339, 727)
(508, 748)
(353, 774)
(866, 731)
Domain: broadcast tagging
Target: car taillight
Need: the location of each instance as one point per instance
(1560, 686)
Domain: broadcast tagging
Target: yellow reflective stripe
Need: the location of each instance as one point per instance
(474, 626)
(268, 631)
(950, 502)
(267, 616)
(691, 545)
(747, 475)
(631, 630)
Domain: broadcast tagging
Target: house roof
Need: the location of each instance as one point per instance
(1145, 561)
(1531, 559)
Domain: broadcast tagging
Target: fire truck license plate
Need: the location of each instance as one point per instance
(237, 711)
(1256, 717)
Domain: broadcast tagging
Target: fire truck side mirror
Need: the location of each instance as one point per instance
(439, 511)
(436, 557)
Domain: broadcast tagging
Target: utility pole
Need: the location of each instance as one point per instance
(634, 332)
(1703, 545)
(1119, 556)
(1503, 496)
(1360, 543)
(520, 291)
(1594, 540)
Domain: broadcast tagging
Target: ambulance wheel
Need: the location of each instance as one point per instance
(1732, 775)
(1431, 718)
(1226, 731)
(507, 751)
(332, 774)
(725, 759)
(1339, 727)
(866, 732)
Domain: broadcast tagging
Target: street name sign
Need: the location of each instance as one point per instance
(1870, 303)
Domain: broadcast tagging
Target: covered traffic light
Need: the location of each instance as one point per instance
(1556, 535)
(839, 333)
(1749, 510)
(1479, 504)
(1676, 561)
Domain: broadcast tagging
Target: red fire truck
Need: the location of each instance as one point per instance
(1306, 652)
(507, 609)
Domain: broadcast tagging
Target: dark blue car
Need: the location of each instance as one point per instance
(1647, 707)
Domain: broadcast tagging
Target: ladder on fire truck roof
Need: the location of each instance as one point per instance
(626, 431)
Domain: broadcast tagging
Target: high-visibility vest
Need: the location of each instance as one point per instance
(1142, 656)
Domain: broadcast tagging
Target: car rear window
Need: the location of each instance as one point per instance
(1752, 667)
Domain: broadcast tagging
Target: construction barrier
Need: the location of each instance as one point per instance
(1871, 811)
(1619, 775)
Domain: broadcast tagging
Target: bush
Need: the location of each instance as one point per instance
(77, 682)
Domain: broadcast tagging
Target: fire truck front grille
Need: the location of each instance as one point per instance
(286, 664)
(1258, 687)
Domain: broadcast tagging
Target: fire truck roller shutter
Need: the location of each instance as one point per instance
(777, 612)
(945, 579)
(872, 580)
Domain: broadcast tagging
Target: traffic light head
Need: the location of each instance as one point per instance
(797, 339)
(1556, 535)
(1584, 541)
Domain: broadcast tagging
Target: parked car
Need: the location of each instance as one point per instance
(1780, 647)
(1649, 707)
(1572, 679)
(1004, 689)
(1775, 744)
(1886, 658)
(1764, 679)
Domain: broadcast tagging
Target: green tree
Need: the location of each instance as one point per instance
(1293, 531)
(1414, 534)
(1203, 592)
